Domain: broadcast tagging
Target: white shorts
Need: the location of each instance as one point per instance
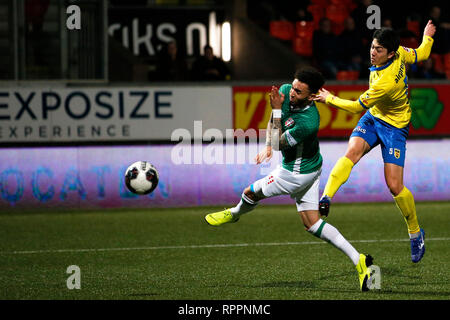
(304, 188)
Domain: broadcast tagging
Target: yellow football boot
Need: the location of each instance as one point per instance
(221, 217)
(363, 270)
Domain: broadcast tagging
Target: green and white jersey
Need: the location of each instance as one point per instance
(301, 127)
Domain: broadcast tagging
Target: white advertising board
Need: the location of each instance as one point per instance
(110, 113)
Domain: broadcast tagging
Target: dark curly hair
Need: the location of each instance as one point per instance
(311, 76)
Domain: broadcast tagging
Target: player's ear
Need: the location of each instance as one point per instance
(391, 54)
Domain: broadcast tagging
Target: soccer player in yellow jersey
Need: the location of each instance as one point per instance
(386, 123)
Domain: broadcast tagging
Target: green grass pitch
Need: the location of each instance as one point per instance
(172, 254)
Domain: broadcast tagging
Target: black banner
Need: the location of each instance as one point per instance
(145, 30)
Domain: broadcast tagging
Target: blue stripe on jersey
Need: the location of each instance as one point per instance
(415, 55)
(373, 68)
(362, 104)
(251, 188)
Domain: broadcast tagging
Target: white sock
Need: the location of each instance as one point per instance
(327, 232)
(414, 235)
(245, 205)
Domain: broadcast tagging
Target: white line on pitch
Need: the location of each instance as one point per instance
(229, 245)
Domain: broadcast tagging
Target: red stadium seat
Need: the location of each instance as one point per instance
(283, 30)
(354, 75)
(414, 27)
(304, 29)
(447, 64)
(352, 6)
(337, 28)
(337, 13)
(322, 3)
(438, 62)
(409, 42)
(347, 75)
(349, 4)
(342, 2)
(318, 12)
(302, 46)
(447, 61)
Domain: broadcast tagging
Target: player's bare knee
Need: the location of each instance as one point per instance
(309, 218)
(356, 149)
(304, 220)
(251, 194)
(394, 178)
(394, 184)
(395, 187)
(354, 155)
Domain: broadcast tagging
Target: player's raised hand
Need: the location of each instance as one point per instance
(276, 99)
(430, 29)
(265, 154)
(321, 96)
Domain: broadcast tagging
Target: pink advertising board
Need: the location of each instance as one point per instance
(197, 175)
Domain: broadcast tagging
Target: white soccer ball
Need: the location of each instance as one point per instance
(141, 177)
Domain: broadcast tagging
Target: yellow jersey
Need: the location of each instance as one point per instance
(387, 96)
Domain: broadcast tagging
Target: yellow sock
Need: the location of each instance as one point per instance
(405, 202)
(338, 176)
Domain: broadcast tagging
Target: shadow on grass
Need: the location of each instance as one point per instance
(143, 294)
(417, 294)
(311, 285)
(287, 284)
(305, 285)
(402, 293)
(405, 289)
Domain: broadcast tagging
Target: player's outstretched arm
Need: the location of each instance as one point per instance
(266, 153)
(279, 140)
(430, 29)
(325, 96)
(423, 51)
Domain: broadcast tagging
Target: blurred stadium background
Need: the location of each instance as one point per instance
(78, 106)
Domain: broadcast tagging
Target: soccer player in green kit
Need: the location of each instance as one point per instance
(293, 131)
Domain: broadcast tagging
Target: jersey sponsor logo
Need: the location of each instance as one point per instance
(406, 49)
(270, 180)
(401, 72)
(359, 129)
(396, 153)
(289, 123)
(365, 98)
